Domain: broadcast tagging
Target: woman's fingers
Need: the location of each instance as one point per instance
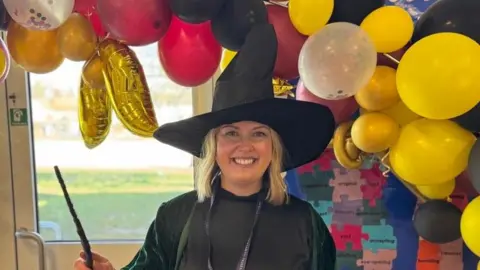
(95, 256)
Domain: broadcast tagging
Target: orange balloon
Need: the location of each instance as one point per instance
(36, 51)
(374, 132)
(381, 92)
(76, 38)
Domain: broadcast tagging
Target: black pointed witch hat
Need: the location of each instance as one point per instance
(244, 92)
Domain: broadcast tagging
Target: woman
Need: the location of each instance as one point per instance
(240, 217)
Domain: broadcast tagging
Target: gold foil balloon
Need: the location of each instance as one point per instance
(127, 88)
(76, 38)
(92, 72)
(281, 87)
(34, 50)
(94, 112)
(346, 153)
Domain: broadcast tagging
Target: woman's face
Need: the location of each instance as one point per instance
(244, 151)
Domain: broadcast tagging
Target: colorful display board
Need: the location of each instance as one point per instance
(370, 218)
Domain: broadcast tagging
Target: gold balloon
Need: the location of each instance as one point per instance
(36, 51)
(94, 114)
(92, 72)
(374, 132)
(381, 92)
(346, 153)
(76, 38)
(127, 88)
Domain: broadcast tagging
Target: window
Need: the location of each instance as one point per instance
(116, 188)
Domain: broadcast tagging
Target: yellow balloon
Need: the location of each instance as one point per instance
(439, 191)
(437, 78)
(389, 27)
(36, 51)
(127, 88)
(401, 114)
(469, 225)
(431, 152)
(381, 92)
(227, 57)
(374, 132)
(309, 16)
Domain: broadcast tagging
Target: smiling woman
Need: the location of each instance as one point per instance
(244, 150)
(241, 216)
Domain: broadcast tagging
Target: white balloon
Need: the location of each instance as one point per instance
(337, 61)
(39, 14)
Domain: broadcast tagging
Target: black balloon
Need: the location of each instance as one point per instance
(354, 11)
(470, 120)
(232, 24)
(438, 221)
(196, 11)
(458, 16)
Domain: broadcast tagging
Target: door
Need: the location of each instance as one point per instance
(116, 188)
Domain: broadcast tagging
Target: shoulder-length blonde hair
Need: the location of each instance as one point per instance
(207, 168)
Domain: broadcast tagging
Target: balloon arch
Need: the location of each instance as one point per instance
(415, 84)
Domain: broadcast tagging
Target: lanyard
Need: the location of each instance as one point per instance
(242, 262)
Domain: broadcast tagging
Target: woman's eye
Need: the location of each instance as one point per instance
(231, 133)
(259, 134)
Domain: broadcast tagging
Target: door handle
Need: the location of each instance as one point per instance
(23, 233)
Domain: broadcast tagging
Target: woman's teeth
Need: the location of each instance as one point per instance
(244, 161)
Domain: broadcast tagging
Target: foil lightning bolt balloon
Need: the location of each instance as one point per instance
(94, 108)
(127, 88)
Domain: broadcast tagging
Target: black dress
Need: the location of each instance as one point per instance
(287, 237)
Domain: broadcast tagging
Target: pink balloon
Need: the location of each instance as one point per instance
(342, 109)
(135, 22)
(189, 53)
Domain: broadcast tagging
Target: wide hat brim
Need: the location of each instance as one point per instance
(305, 128)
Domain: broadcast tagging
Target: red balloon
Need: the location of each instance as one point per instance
(189, 53)
(82, 5)
(135, 22)
(464, 184)
(290, 42)
(342, 109)
(92, 16)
